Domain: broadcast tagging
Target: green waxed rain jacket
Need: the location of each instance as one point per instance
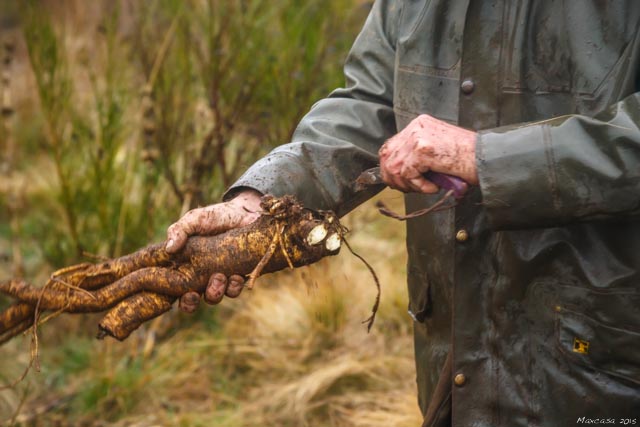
(540, 304)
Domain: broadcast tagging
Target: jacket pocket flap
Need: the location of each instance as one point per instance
(604, 348)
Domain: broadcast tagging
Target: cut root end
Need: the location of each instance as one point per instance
(317, 235)
(333, 242)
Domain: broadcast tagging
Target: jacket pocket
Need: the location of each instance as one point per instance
(602, 347)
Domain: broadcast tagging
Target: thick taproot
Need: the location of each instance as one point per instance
(145, 281)
(15, 314)
(151, 279)
(15, 319)
(153, 270)
(136, 309)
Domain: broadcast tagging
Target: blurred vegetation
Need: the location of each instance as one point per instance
(118, 116)
(157, 108)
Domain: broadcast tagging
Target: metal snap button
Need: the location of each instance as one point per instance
(462, 235)
(459, 380)
(467, 86)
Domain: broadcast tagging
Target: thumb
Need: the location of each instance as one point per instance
(176, 237)
(209, 220)
(204, 221)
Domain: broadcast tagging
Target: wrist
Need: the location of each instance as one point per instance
(248, 199)
(469, 171)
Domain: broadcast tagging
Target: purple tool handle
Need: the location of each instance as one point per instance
(448, 182)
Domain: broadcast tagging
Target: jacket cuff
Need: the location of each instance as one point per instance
(517, 177)
(277, 174)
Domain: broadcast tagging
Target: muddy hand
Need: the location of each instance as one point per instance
(214, 219)
(428, 144)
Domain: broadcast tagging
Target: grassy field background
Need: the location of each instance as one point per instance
(118, 116)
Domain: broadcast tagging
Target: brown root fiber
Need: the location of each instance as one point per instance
(144, 284)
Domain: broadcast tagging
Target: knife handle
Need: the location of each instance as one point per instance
(448, 182)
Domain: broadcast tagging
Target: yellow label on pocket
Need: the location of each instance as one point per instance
(580, 346)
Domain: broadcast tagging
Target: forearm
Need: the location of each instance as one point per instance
(322, 162)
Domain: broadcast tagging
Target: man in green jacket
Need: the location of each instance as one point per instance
(526, 296)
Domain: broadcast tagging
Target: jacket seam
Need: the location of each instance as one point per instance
(551, 167)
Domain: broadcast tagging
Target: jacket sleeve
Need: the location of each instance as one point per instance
(565, 169)
(341, 135)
